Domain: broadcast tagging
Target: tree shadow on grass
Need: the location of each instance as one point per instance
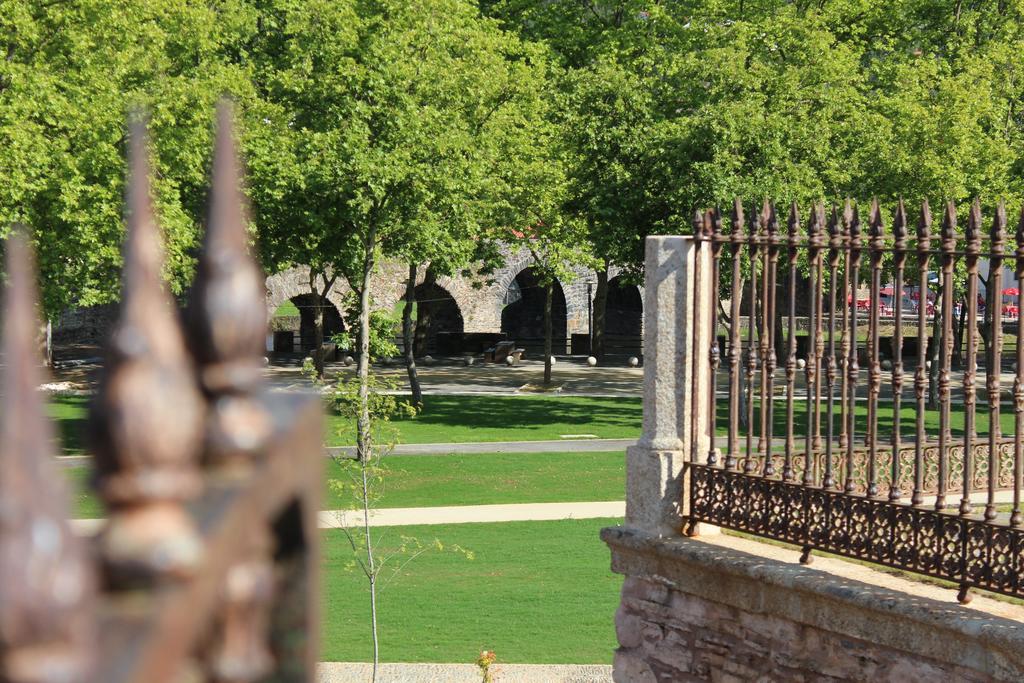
(69, 415)
(515, 412)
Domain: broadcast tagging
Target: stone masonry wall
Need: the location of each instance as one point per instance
(668, 635)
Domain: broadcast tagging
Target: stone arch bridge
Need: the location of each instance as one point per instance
(508, 303)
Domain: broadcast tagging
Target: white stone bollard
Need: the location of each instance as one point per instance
(591, 361)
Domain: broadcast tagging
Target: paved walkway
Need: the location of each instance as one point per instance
(345, 672)
(454, 514)
(461, 514)
(574, 378)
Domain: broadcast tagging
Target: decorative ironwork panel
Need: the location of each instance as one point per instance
(966, 550)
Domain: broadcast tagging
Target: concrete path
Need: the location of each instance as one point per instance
(462, 514)
(358, 672)
(574, 377)
(550, 446)
(454, 514)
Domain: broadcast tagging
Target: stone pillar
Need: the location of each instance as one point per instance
(675, 388)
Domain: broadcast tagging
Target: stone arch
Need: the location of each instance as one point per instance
(297, 333)
(574, 292)
(439, 321)
(290, 283)
(624, 317)
(522, 315)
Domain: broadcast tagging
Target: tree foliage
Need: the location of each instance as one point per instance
(71, 72)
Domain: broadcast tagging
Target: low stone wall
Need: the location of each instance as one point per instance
(726, 609)
(88, 325)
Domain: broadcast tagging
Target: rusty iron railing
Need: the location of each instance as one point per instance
(864, 481)
(205, 568)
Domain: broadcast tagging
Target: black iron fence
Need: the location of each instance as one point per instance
(866, 463)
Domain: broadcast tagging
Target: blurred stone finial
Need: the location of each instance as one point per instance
(147, 416)
(227, 314)
(47, 582)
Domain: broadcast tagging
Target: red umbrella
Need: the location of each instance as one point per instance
(1011, 291)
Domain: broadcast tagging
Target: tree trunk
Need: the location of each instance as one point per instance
(318, 317)
(371, 571)
(318, 325)
(548, 293)
(600, 312)
(423, 314)
(363, 437)
(407, 337)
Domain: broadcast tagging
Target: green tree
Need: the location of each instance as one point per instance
(383, 122)
(72, 71)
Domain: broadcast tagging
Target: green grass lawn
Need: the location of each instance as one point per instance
(68, 414)
(908, 419)
(464, 479)
(286, 309)
(491, 478)
(454, 419)
(447, 419)
(84, 503)
(538, 592)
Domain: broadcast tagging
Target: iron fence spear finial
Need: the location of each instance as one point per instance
(899, 233)
(924, 223)
(48, 584)
(1016, 518)
(947, 244)
(793, 242)
(227, 314)
(736, 242)
(994, 355)
(815, 242)
(972, 239)
(146, 417)
(851, 219)
(227, 325)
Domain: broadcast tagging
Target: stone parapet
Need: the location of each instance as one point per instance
(729, 609)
